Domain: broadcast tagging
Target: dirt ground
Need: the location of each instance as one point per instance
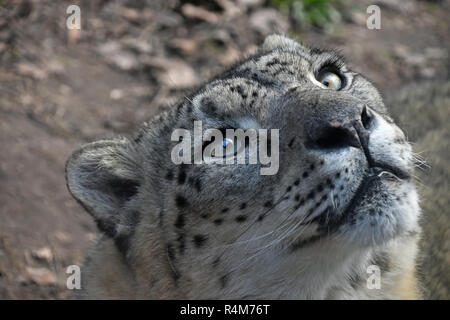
(60, 88)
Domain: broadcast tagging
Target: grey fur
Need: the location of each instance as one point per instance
(225, 231)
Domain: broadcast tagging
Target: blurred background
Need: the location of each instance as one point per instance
(60, 88)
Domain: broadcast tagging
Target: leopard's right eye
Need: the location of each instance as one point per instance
(330, 80)
(229, 147)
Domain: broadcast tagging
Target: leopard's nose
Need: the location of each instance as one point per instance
(341, 132)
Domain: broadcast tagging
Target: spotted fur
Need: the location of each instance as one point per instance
(341, 201)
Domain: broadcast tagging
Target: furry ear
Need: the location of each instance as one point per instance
(103, 176)
(275, 41)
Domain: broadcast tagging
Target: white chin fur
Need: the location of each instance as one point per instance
(379, 222)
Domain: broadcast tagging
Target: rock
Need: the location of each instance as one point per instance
(435, 53)
(28, 69)
(115, 55)
(138, 45)
(231, 8)
(167, 19)
(125, 61)
(44, 253)
(428, 72)
(130, 14)
(24, 9)
(267, 21)
(174, 73)
(195, 12)
(230, 56)
(250, 3)
(116, 94)
(62, 237)
(55, 67)
(42, 276)
(186, 46)
(109, 48)
(359, 18)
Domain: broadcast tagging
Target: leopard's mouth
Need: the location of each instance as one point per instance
(373, 175)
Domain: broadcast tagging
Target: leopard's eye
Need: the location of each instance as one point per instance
(330, 80)
(230, 148)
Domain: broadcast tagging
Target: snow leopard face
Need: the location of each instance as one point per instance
(342, 187)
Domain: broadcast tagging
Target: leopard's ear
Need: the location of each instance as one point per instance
(103, 176)
(275, 41)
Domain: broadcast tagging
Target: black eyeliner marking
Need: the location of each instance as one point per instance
(181, 201)
(199, 240)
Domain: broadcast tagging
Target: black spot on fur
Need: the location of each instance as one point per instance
(225, 210)
(288, 189)
(319, 188)
(180, 222)
(268, 204)
(123, 189)
(216, 262)
(189, 108)
(181, 201)
(208, 106)
(311, 195)
(134, 217)
(272, 62)
(181, 243)
(170, 251)
(297, 182)
(198, 185)
(106, 226)
(223, 281)
(139, 137)
(316, 51)
(169, 175)
(312, 167)
(241, 218)
(182, 175)
(218, 221)
(161, 216)
(291, 142)
(297, 197)
(122, 242)
(356, 280)
(261, 217)
(305, 174)
(205, 215)
(243, 206)
(199, 240)
(304, 243)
